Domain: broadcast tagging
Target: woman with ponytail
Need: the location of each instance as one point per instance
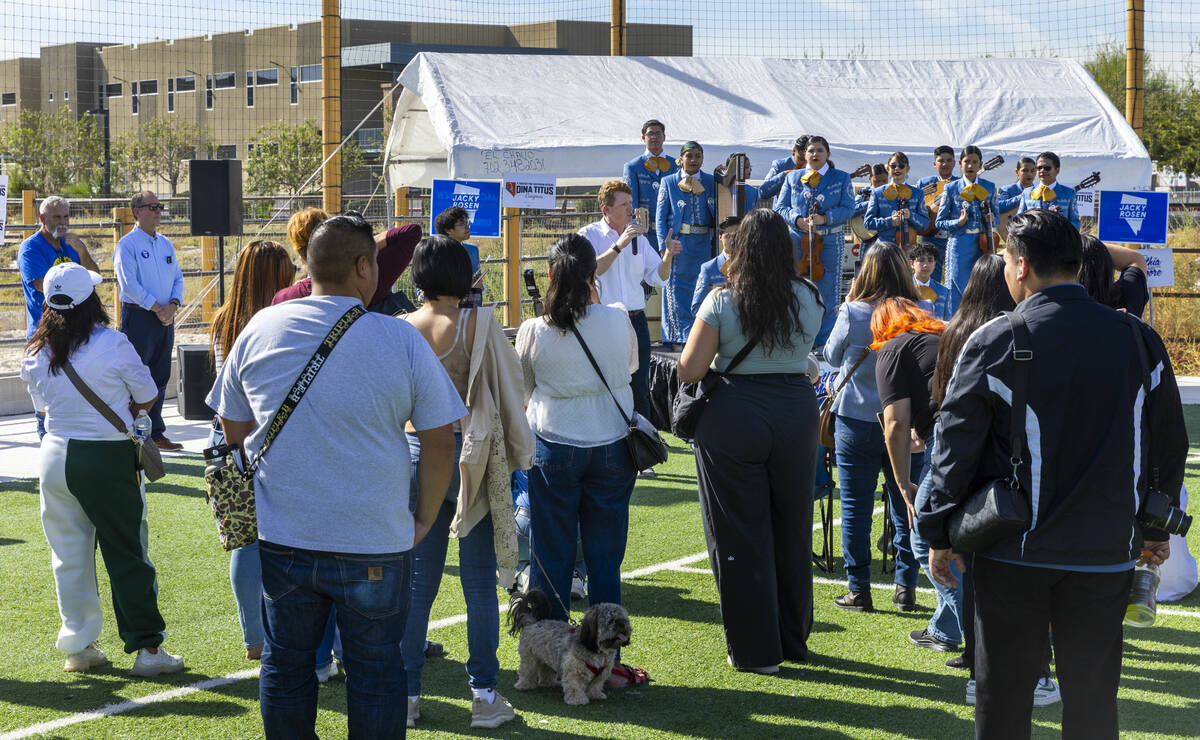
(582, 473)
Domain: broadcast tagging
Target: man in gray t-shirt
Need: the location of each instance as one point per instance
(332, 490)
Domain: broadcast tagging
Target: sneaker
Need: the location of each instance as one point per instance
(922, 638)
(488, 716)
(163, 443)
(905, 598)
(434, 649)
(85, 660)
(150, 664)
(855, 602)
(578, 586)
(959, 661)
(326, 672)
(766, 670)
(414, 711)
(647, 473)
(971, 692)
(522, 584)
(1046, 693)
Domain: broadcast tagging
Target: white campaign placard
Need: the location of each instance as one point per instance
(1085, 202)
(1160, 267)
(522, 190)
(3, 204)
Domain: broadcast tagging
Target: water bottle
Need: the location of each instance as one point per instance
(1143, 597)
(141, 426)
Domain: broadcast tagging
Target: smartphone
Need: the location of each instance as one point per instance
(642, 217)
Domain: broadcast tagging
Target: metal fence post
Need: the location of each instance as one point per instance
(28, 212)
(208, 263)
(512, 266)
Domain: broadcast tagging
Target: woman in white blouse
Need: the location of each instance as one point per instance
(582, 473)
(89, 487)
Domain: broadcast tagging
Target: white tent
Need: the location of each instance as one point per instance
(478, 116)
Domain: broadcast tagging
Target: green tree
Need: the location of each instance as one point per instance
(159, 149)
(1170, 114)
(285, 157)
(53, 152)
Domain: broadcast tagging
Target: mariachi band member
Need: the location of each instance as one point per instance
(1009, 196)
(1049, 193)
(687, 212)
(895, 203)
(780, 168)
(961, 215)
(943, 162)
(879, 177)
(644, 173)
(817, 201)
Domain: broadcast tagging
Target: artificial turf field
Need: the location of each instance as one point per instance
(863, 679)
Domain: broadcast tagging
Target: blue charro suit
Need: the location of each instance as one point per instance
(962, 248)
(677, 210)
(773, 182)
(1008, 197)
(861, 199)
(939, 304)
(1064, 198)
(710, 277)
(835, 195)
(938, 240)
(644, 185)
(879, 210)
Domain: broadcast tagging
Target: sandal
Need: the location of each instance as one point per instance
(628, 675)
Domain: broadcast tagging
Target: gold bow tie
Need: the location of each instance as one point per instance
(894, 191)
(657, 164)
(974, 192)
(1041, 192)
(927, 293)
(691, 185)
(811, 178)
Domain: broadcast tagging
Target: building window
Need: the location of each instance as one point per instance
(8, 98)
(148, 87)
(170, 95)
(66, 94)
(249, 89)
(227, 151)
(310, 73)
(294, 78)
(208, 92)
(185, 84)
(224, 80)
(51, 97)
(133, 98)
(266, 77)
(112, 90)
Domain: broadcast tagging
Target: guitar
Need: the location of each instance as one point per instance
(933, 196)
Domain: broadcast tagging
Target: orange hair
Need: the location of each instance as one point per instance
(300, 227)
(609, 190)
(894, 316)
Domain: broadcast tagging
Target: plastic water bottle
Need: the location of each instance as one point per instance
(1143, 597)
(141, 426)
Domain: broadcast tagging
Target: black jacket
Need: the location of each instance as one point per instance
(1087, 462)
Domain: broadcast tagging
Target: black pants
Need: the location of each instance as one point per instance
(639, 382)
(756, 454)
(1015, 606)
(154, 344)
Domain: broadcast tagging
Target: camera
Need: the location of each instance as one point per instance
(1158, 513)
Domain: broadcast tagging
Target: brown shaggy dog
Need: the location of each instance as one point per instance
(553, 652)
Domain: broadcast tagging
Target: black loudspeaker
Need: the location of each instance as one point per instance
(196, 377)
(215, 186)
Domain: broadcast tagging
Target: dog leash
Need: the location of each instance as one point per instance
(566, 609)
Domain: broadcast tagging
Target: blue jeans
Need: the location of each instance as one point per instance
(584, 490)
(372, 592)
(524, 526)
(946, 622)
(477, 572)
(41, 424)
(861, 454)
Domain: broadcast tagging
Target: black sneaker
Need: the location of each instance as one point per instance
(922, 638)
(961, 662)
(855, 602)
(905, 598)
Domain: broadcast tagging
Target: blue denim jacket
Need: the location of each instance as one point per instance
(859, 398)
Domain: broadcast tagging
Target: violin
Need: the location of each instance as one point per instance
(811, 244)
(987, 237)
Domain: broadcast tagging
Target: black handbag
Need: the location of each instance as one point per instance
(693, 398)
(646, 446)
(1000, 509)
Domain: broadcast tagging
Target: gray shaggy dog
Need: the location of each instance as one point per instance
(554, 653)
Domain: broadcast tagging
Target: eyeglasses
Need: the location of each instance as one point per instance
(1044, 167)
(896, 166)
(154, 206)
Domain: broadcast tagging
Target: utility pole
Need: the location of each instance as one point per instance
(331, 106)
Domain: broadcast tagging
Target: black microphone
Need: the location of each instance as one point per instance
(635, 246)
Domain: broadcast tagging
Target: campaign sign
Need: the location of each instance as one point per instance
(3, 204)
(1160, 267)
(528, 191)
(1085, 202)
(479, 198)
(1138, 217)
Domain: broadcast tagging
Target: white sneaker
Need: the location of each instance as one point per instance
(523, 579)
(414, 711)
(491, 716)
(85, 660)
(578, 586)
(1046, 693)
(971, 692)
(150, 664)
(327, 672)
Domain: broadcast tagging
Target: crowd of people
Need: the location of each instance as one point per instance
(434, 426)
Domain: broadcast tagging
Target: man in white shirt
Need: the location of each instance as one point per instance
(624, 258)
(150, 284)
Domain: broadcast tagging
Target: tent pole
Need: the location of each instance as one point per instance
(618, 28)
(1135, 63)
(331, 105)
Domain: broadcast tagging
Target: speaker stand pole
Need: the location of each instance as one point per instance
(220, 270)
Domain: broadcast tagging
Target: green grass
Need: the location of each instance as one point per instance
(864, 679)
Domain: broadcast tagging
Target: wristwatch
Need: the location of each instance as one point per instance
(615, 248)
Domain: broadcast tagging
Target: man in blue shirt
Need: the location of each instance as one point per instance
(644, 173)
(151, 287)
(52, 244)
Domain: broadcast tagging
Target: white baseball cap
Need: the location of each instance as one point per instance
(68, 284)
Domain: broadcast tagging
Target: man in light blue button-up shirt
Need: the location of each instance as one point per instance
(151, 288)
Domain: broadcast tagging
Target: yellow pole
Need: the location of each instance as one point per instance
(512, 266)
(617, 45)
(28, 212)
(1135, 63)
(123, 220)
(331, 105)
(402, 212)
(208, 263)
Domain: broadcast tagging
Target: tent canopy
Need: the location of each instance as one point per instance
(479, 116)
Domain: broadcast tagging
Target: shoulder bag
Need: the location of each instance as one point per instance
(148, 458)
(646, 446)
(230, 489)
(826, 415)
(1000, 509)
(693, 398)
